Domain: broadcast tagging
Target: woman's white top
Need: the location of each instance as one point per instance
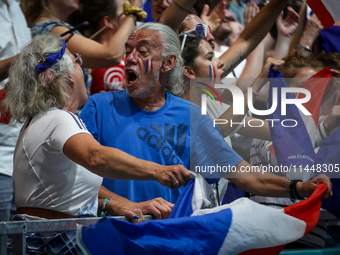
(43, 176)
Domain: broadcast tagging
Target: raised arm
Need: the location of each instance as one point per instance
(285, 27)
(96, 55)
(257, 132)
(115, 164)
(176, 12)
(255, 59)
(252, 35)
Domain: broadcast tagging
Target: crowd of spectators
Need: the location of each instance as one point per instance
(106, 116)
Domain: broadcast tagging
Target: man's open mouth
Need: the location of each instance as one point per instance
(131, 76)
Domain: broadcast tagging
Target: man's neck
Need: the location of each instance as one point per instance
(151, 103)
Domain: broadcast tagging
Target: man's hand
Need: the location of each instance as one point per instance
(158, 207)
(173, 176)
(287, 26)
(305, 189)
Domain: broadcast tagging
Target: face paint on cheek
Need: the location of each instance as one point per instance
(82, 73)
(149, 65)
(212, 73)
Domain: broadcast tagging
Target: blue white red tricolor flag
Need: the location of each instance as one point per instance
(243, 226)
(296, 145)
(149, 65)
(328, 11)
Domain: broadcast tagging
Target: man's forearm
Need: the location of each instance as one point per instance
(253, 34)
(176, 12)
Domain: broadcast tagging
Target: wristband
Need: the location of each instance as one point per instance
(294, 193)
(306, 48)
(104, 205)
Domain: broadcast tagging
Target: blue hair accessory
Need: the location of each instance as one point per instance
(50, 60)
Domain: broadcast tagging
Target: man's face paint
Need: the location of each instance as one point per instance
(149, 65)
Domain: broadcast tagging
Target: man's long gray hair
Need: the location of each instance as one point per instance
(171, 46)
(29, 92)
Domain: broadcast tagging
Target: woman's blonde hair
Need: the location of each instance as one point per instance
(28, 91)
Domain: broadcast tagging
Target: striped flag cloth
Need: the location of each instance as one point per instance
(328, 11)
(243, 226)
(295, 146)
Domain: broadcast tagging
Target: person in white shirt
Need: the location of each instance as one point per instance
(14, 35)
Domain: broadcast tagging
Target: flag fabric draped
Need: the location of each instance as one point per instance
(295, 146)
(328, 11)
(242, 227)
(329, 39)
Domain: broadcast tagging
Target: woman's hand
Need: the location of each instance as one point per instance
(116, 208)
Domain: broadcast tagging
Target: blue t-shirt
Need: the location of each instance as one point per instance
(161, 136)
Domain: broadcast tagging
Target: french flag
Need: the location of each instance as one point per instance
(243, 226)
(300, 140)
(328, 11)
(149, 65)
(294, 146)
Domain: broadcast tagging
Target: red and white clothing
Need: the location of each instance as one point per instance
(107, 79)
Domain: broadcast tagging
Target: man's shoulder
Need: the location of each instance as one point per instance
(185, 103)
(108, 96)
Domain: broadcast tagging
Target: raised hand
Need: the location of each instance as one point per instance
(214, 19)
(287, 26)
(250, 12)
